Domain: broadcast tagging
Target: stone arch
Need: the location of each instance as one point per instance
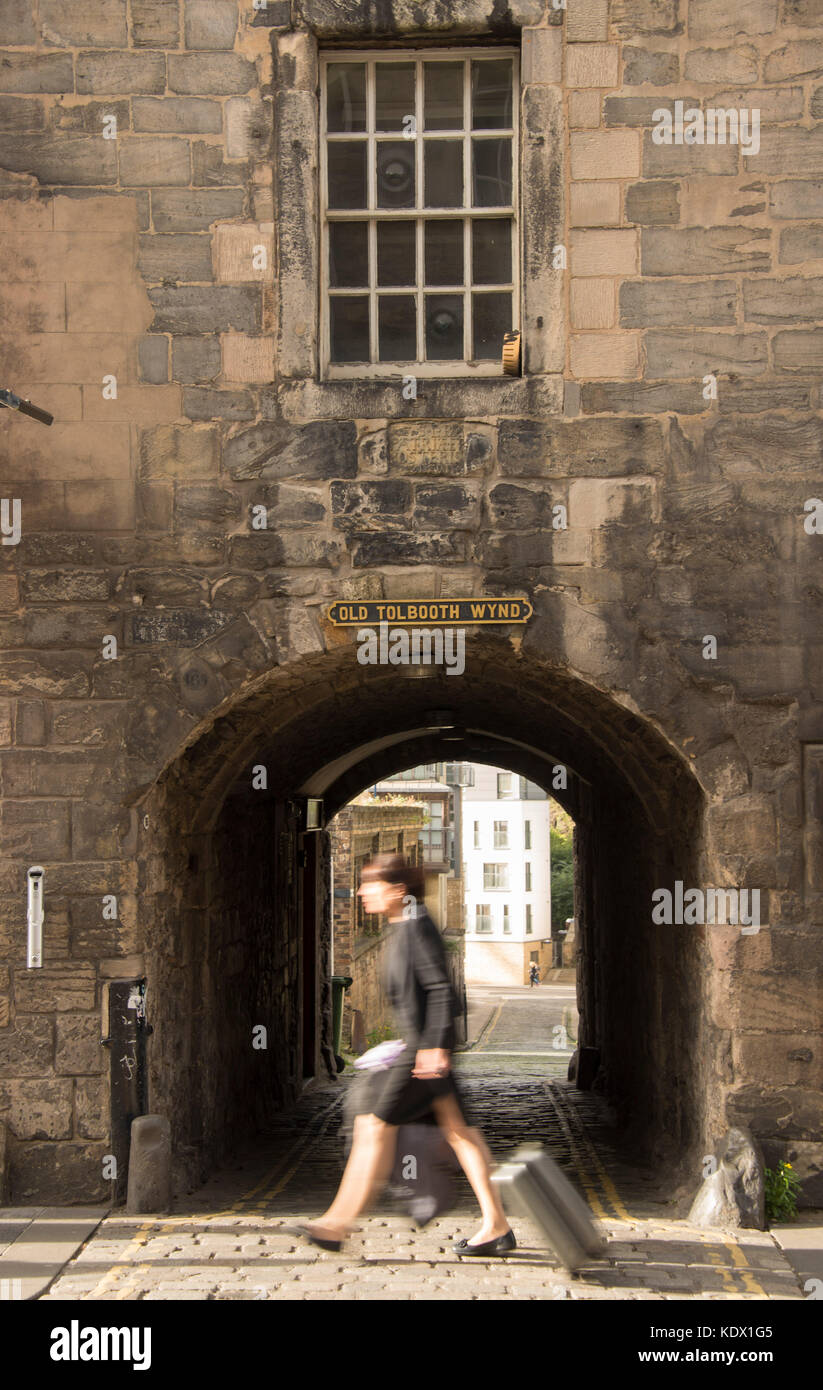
(225, 892)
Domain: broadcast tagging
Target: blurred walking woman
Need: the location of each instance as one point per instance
(418, 987)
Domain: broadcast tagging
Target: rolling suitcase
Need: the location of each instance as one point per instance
(533, 1185)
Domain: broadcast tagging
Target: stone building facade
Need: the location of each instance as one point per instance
(172, 689)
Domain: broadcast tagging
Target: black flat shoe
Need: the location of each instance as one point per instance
(501, 1245)
(299, 1230)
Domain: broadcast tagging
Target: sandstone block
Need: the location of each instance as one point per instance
(788, 150)
(155, 23)
(17, 23)
(574, 448)
(695, 354)
(584, 109)
(803, 349)
(604, 253)
(30, 724)
(710, 21)
(593, 303)
(783, 300)
(177, 256)
(722, 65)
(196, 359)
(55, 586)
(29, 72)
(801, 244)
(21, 113)
(26, 1047)
(37, 1109)
(194, 210)
(707, 303)
(147, 163)
(605, 355)
(70, 23)
(48, 1171)
(397, 548)
(236, 248)
(660, 161)
(247, 359)
(184, 115)
(33, 308)
(61, 159)
(203, 404)
(111, 73)
(595, 205)
(248, 128)
(179, 452)
(205, 309)
(542, 55)
(591, 64)
(512, 507)
(219, 74)
(802, 58)
(153, 357)
(630, 18)
(654, 203)
(76, 451)
(91, 1108)
(594, 502)
(699, 250)
(56, 988)
(275, 450)
(587, 22)
(210, 23)
(605, 154)
(640, 65)
(134, 405)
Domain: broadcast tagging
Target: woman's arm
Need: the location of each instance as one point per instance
(431, 970)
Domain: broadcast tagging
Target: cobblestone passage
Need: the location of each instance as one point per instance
(226, 1241)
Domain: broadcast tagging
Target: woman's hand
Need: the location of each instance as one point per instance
(431, 1062)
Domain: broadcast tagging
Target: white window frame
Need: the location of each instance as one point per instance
(496, 887)
(501, 834)
(439, 369)
(505, 790)
(477, 834)
(484, 911)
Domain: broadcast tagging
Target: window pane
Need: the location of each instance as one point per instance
(349, 328)
(394, 84)
(491, 251)
(346, 103)
(444, 326)
(347, 173)
(444, 253)
(395, 173)
(444, 173)
(492, 173)
(395, 253)
(492, 318)
(348, 254)
(491, 94)
(443, 103)
(398, 331)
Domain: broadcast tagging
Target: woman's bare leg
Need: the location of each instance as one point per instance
(368, 1167)
(474, 1158)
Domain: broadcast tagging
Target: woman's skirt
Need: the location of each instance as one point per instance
(398, 1097)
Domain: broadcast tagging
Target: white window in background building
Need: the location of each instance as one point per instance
(477, 834)
(527, 834)
(483, 917)
(528, 877)
(501, 834)
(496, 876)
(507, 926)
(528, 918)
(419, 203)
(505, 785)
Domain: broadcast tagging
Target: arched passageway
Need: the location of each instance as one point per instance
(235, 900)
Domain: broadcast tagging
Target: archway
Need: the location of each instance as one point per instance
(235, 907)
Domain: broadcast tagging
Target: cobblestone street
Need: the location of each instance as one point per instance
(226, 1241)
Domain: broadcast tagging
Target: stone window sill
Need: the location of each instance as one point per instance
(444, 400)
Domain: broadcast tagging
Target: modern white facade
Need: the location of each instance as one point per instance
(506, 858)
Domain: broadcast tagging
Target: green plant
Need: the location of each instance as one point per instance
(562, 878)
(782, 1187)
(381, 1033)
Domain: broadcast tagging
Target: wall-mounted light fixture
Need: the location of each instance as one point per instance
(35, 876)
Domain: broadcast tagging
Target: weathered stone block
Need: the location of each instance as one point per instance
(91, 1108)
(63, 159)
(654, 203)
(194, 210)
(65, 586)
(248, 128)
(276, 450)
(203, 404)
(788, 150)
(153, 359)
(187, 627)
(784, 300)
(444, 505)
(237, 247)
(185, 115)
(21, 113)
(222, 74)
(695, 354)
(605, 355)
(594, 502)
(47, 1172)
(17, 22)
(542, 55)
(661, 161)
(802, 58)
(37, 1109)
(111, 73)
(597, 448)
(630, 18)
(174, 257)
(205, 309)
(604, 253)
(801, 244)
(70, 23)
(56, 988)
(595, 204)
(640, 65)
(722, 64)
(592, 303)
(710, 21)
(78, 1051)
(147, 163)
(803, 349)
(155, 23)
(513, 507)
(587, 22)
(669, 302)
(29, 72)
(605, 154)
(591, 65)
(179, 452)
(212, 505)
(210, 23)
(635, 111)
(436, 448)
(210, 169)
(388, 498)
(584, 108)
(397, 548)
(712, 250)
(72, 113)
(195, 359)
(26, 1048)
(32, 828)
(247, 359)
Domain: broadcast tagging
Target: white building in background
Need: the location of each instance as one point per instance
(506, 858)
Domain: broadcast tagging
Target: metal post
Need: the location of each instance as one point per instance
(35, 877)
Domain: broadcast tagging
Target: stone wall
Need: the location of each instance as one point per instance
(179, 258)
